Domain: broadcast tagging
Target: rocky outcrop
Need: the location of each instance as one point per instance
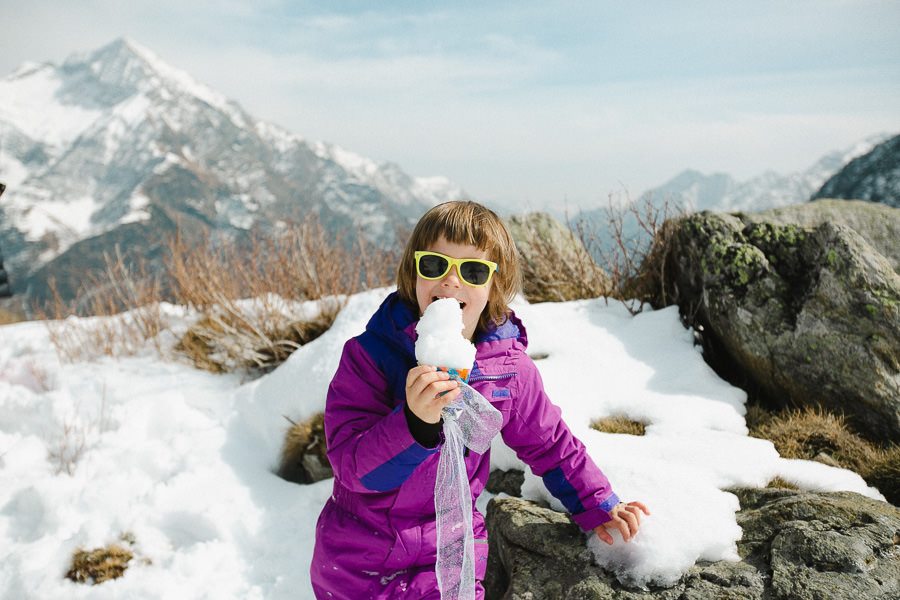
(802, 315)
(795, 546)
(878, 224)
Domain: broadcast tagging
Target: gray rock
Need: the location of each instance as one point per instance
(805, 315)
(877, 223)
(795, 546)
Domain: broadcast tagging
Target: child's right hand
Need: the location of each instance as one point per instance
(428, 390)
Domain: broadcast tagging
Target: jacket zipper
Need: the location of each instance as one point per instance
(492, 377)
(488, 378)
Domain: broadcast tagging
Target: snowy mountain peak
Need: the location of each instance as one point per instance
(117, 140)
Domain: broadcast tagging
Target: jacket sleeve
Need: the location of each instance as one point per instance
(370, 446)
(541, 439)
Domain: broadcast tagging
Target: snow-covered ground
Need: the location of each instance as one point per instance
(183, 460)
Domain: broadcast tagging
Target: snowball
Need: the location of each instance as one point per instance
(440, 342)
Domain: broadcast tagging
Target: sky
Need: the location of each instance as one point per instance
(526, 103)
(183, 461)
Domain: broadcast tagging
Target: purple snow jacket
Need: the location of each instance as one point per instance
(376, 535)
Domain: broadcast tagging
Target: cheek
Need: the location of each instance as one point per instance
(478, 301)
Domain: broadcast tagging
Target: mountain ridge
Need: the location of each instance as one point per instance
(94, 144)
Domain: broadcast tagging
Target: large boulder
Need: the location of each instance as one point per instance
(796, 546)
(878, 224)
(800, 315)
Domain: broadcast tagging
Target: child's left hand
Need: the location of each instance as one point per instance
(626, 518)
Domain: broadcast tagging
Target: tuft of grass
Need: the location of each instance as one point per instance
(815, 434)
(778, 482)
(9, 316)
(618, 424)
(224, 340)
(884, 473)
(304, 456)
(100, 564)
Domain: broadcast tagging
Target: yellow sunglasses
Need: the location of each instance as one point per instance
(473, 271)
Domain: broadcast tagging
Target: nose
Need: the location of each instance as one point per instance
(452, 277)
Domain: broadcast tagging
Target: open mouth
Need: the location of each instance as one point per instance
(461, 304)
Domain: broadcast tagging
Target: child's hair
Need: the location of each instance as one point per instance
(468, 223)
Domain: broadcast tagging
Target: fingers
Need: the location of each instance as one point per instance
(428, 390)
(425, 380)
(639, 505)
(626, 518)
(601, 532)
(627, 522)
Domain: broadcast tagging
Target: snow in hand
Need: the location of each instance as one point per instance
(184, 460)
(440, 341)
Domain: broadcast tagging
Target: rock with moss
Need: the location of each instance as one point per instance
(795, 546)
(876, 223)
(802, 315)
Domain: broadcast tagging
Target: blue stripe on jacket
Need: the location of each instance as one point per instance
(388, 358)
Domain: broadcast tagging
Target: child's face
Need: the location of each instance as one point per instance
(472, 299)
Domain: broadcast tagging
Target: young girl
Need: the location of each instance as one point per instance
(376, 535)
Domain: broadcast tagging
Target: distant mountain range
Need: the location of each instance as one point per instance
(117, 147)
(696, 191)
(874, 176)
(870, 170)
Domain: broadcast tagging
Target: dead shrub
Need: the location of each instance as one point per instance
(556, 266)
(226, 339)
(631, 242)
(814, 434)
(127, 298)
(100, 564)
(300, 261)
(618, 424)
(216, 276)
(244, 286)
(304, 456)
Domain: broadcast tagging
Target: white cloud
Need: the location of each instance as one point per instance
(545, 101)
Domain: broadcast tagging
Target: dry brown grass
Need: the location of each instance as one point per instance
(66, 447)
(128, 300)
(214, 276)
(884, 473)
(618, 424)
(100, 564)
(814, 434)
(778, 482)
(304, 456)
(556, 266)
(8, 316)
